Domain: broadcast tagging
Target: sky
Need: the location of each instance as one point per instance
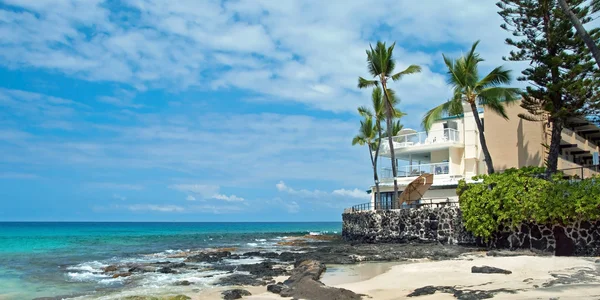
(154, 110)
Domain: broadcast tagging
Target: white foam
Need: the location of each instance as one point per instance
(252, 244)
(85, 276)
(260, 240)
(314, 233)
(91, 266)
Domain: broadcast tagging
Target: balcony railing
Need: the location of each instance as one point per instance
(417, 170)
(426, 138)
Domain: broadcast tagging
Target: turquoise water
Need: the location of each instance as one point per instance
(50, 259)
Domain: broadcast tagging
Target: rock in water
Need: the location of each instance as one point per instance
(111, 268)
(240, 279)
(489, 270)
(235, 294)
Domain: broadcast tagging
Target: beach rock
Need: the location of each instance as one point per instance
(111, 268)
(430, 290)
(276, 288)
(304, 284)
(263, 269)
(141, 269)
(176, 265)
(126, 274)
(235, 294)
(240, 279)
(182, 283)
(489, 270)
(166, 270)
(209, 257)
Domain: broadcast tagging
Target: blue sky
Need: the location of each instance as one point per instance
(150, 110)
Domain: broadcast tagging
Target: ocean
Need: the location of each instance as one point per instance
(46, 259)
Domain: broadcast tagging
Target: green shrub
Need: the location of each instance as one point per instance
(519, 196)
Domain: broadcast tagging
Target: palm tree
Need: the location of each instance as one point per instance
(467, 87)
(378, 113)
(381, 66)
(367, 135)
(583, 34)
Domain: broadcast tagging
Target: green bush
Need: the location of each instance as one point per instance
(519, 196)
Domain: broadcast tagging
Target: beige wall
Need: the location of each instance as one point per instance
(439, 155)
(514, 142)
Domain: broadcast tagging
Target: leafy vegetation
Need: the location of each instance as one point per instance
(381, 66)
(562, 76)
(518, 196)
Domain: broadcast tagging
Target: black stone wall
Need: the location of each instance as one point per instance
(445, 225)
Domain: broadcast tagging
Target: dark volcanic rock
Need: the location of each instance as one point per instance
(126, 274)
(276, 288)
(304, 284)
(111, 268)
(263, 269)
(458, 293)
(183, 283)
(166, 270)
(210, 257)
(240, 279)
(141, 269)
(235, 294)
(489, 270)
(176, 265)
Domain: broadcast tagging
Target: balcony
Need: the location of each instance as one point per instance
(430, 140)
(417, 170)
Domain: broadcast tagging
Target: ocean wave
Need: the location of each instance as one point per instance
(260, 240)
(86, 276)
(91, 266)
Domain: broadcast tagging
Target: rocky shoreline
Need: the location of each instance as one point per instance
(296, 269)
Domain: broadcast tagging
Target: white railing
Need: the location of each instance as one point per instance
(426, 138)
(417, 170)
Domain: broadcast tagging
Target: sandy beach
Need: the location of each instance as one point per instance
(533, 277)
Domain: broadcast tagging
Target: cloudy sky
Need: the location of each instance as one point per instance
(154, 110)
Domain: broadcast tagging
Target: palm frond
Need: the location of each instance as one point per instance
(364, 83)
(453, 76)
(496, 77)
(412, 69)
(435, 114)
(378, 104)
(365, 111)
(358, 140)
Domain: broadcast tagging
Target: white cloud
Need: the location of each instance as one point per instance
(119, 197)
(273, 49)
(206, 192)
(153, 207)
(190, 198)
(355, 193)
(115, 186)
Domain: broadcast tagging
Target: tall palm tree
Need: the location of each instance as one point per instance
(367, 135)
(583, 34)
(381, 66)
(467, 87)
(377, 114)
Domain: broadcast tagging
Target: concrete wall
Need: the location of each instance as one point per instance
(515, 142)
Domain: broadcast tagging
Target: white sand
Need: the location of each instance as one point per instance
(528, 271)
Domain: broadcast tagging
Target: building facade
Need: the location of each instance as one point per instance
(451, 151)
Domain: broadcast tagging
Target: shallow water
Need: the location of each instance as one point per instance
(50, 259)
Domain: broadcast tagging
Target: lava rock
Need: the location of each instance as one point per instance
(183, 283)
(111, 268)
(235, 294)
(126, 274)
(263, 269)
(430, 290)
(276, 288)
(240, 279)
(141, 269)
(209, 257)
(489, 270)
(166, 270)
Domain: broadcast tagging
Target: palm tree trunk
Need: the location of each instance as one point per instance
(389, 126)
(554, 151)
(486, 152)
(375, 178)
(378, 196)
(583, 34)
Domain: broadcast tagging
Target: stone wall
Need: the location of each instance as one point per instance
(403, 225)
(445, 225)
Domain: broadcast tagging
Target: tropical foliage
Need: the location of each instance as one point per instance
(467, 87)
(519, 196)
(381, 66)
(561, 75)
